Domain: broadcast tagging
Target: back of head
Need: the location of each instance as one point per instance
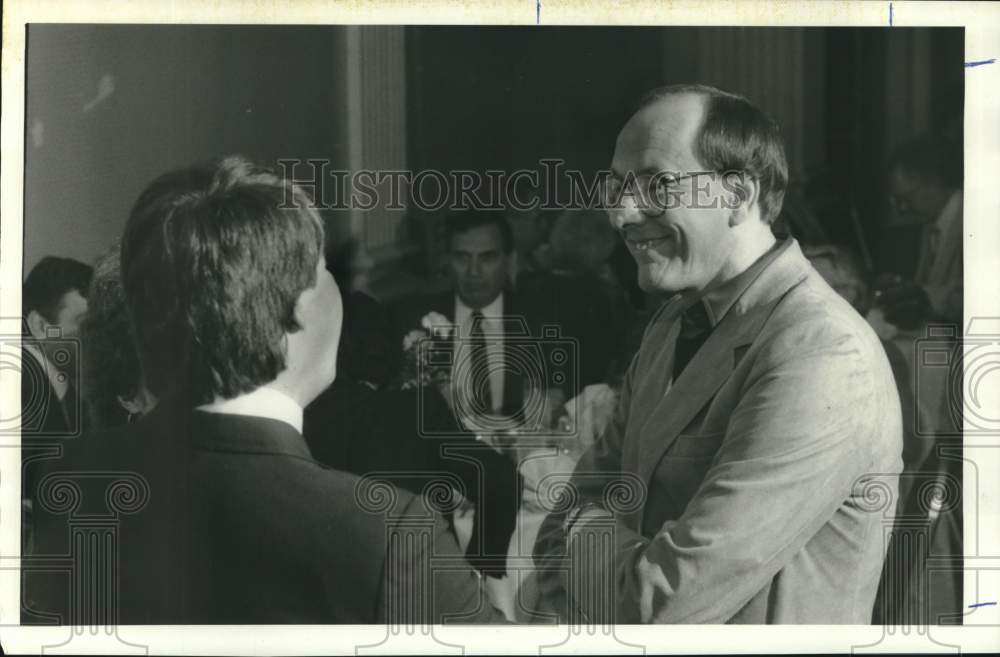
(110, 366)
(736, 136)
(49, 281)
(213, 259)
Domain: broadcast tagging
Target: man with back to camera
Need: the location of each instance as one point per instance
(237, 322)
(756, 420)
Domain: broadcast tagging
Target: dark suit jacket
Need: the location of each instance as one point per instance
(46, 421)
(43, 414)
(230, 520)
(354, 428)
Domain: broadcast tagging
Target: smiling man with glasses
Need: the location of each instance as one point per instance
(758, 416)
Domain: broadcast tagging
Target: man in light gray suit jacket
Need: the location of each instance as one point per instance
(751, 469)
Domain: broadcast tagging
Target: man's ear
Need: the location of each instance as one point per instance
(37, 325)
(741, 193)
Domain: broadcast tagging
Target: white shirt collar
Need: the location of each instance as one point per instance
(463, 312)
(263, 402)
(56, 378)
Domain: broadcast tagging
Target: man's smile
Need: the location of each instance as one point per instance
(641, 242)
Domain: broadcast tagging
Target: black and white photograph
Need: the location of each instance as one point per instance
(332, 320)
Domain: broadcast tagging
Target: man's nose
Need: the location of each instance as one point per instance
(475, 268)
(627, 213)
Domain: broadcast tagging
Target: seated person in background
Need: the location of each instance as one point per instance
(902, 598)
(577, 296)
(843, 270)
(925, 182)
(54, 302)
(112, 386)
(361, 425)
(484, 309)
(237, 324)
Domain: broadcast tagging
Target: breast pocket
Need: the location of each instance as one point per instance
(679, 474)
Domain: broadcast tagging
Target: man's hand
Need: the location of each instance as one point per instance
(580, 516)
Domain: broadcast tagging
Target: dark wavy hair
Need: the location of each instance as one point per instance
(49, 280)
(465, 220)
(736, 135)
(110, 366)
(213, 259)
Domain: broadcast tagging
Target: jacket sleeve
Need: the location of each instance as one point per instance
(796, 445)
(426, 579)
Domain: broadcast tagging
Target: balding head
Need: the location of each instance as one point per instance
(697, 177)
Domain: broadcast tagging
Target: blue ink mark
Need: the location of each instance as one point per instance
(538, 11)
(982, 604)
(979, 63)
(890, 14)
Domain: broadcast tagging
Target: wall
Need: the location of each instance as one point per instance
(177, 95)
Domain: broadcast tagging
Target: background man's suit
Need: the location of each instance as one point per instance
(243, 526)
(409, 313)
(763, 465)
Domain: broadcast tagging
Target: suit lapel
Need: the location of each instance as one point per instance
(714, 363)
(697, 384)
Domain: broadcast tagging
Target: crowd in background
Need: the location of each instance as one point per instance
(567, 270)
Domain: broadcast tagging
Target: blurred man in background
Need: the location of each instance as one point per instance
(925, 186)
(54, 301)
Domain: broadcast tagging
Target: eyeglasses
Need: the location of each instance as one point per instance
(654, 192)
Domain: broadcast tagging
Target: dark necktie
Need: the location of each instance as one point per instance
(482, 397)
(695, 329)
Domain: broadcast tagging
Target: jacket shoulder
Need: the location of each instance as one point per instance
(812, 316)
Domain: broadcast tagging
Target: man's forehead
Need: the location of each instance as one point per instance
(480, 238)
(664, 130)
